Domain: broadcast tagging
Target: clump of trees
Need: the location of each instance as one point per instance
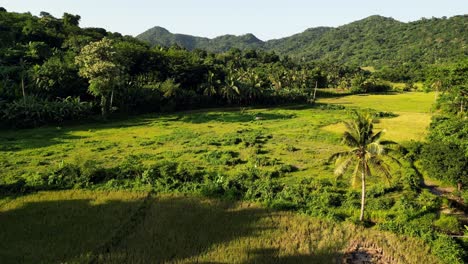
(445, 156)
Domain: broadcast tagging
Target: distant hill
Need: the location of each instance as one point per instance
(161, 36)
(373, 41)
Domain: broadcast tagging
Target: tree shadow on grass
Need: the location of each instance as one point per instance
(59, 231)
(168, 229)
(177, 228)
(272, 255)
(12, 140)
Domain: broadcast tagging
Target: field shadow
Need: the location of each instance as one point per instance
(18, 142)
(60, 231)
(12, 140)
(169, 229)
(272, 255)
(175, 229)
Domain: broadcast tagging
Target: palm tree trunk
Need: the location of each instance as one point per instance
(22, 88)
(363, 190)
(104, 108)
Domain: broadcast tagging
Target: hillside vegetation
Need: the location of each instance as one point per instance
(135, 152)
(373, 41)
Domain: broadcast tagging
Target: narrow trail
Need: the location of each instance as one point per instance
(457, 207)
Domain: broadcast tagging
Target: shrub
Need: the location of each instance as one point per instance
(445, 161)
(447, 249)
(66, 177)
(447, 224)
(428, 201)
(32, 111)
(220, 157)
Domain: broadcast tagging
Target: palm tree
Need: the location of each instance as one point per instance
(367, 152)
(210, 86)
(230, 91)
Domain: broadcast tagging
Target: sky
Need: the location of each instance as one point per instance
(267, 19)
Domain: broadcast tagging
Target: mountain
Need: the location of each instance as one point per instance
(161, 36)
(372, 41)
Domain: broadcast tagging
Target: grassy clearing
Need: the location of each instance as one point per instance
(188, 137)
(219, 142)
(284, 136)
(414, 102)
(413, 110)
(78, 226)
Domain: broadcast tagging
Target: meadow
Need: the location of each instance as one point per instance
(300, 136)
(290, 144)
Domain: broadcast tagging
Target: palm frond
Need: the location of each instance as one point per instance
(355, 179)
(377, 136)
(381, 167)
(337, 155)
(350, 140)
(397, 161)
(343, 166)
(375, 148)
(388, 142)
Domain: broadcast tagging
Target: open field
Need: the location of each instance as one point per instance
(303, 137)
(413, 110)
(119, 226)
(123, 227)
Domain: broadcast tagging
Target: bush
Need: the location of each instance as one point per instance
(66, 177)
(447, 249)
(445, 161)
(219, 157)
(32, 112)
(172, 176)
(447, 224)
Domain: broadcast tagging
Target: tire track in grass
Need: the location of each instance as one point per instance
(124, 230)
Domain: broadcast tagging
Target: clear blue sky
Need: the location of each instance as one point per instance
(266, 19)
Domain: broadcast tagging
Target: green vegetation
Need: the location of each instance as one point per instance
(445, 156)
(399, 50)
(279, 161)
(133, 183)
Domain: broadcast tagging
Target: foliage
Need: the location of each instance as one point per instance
(97, 64)
(445, 161)
(399, 49)
(32, 111)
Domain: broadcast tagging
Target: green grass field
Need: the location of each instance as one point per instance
(115, 227)
(304, 137)
(413, 110)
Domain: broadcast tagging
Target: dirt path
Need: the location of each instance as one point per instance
(438, 190)
(457, 207)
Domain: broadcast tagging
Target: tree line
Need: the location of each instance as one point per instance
(45, 60)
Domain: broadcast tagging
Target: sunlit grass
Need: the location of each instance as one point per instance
(414, 102)
(413, 110)
(187, 137)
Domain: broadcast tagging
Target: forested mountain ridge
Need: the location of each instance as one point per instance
(373, 41)
(161, 36)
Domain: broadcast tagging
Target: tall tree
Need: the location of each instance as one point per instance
(366, 151)
(97, 62)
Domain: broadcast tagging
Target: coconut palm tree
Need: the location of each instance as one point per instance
(230, 91)
(367, 153)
